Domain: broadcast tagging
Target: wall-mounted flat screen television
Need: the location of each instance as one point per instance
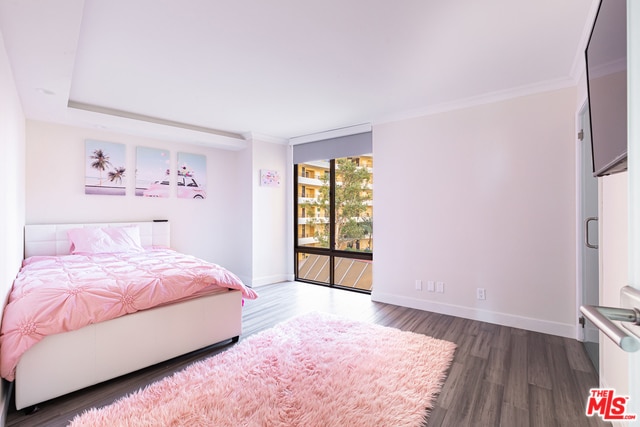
(606, 59)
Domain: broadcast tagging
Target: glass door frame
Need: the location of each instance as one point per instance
(330, 252)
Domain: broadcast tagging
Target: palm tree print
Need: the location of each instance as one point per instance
(117, 175)
(100, 162)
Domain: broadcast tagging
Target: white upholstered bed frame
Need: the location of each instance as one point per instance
(62, 363)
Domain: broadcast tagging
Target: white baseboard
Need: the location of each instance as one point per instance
(268, 280)
(505, 319)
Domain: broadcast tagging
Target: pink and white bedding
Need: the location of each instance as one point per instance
(54, 294)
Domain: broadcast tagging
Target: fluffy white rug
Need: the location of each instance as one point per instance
(313, 370)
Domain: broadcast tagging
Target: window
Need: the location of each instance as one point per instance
(335, 247)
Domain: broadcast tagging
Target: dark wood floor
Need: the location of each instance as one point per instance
(500, 376)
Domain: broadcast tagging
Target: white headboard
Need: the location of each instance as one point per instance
(51, 239)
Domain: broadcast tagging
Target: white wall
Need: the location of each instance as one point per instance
(482, 197)
(262, 239)
(269, 215)
(12, 196)
(243, 241)
(12, 165)
(221, 228)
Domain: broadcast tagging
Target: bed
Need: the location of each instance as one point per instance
(85, 355)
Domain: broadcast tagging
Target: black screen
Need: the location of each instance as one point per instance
(606, 57)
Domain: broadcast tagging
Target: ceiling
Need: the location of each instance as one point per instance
(215, 72)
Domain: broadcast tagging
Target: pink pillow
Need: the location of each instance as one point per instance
(105, 240)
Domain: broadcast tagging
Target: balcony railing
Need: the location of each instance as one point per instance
(303, 180)
(349, 273)
(313, 220)
(303, 241)
(304, 200)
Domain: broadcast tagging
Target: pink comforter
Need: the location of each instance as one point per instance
(54, 294)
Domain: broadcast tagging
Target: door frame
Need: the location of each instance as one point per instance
(587, 333)
(580, 333)
(633, 108)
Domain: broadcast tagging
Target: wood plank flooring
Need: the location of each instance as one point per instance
(500, 376)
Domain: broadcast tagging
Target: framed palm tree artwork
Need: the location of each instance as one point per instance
(105, 168)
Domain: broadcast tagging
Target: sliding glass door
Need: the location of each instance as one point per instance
(334, 222)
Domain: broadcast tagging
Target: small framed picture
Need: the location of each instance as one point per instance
(269, 178)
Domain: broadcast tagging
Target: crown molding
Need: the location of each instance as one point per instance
(475, 101)
(578, 67)
(253, 136)
(137, 124)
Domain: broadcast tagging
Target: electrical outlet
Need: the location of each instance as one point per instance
(480, 293)
(431, 286)
(440, 287)
(418, 285)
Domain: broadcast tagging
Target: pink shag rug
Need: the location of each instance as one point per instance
(313, 370)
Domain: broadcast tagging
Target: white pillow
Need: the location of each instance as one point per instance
(127, 237)
(105, 240)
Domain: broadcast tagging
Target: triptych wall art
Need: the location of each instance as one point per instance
(106, 172)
